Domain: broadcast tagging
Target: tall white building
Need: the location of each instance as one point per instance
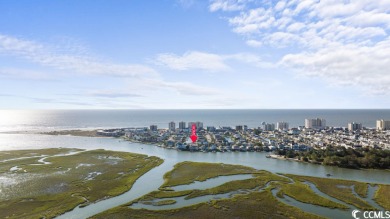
(383, 124)
(172, 126)
(316, 123)
(282, 125)
(354, 126)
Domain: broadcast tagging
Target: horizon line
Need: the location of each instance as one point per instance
(203, 109)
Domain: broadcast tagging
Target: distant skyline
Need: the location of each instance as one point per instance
(194, 54)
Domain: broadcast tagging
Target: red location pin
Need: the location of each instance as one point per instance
(193, 133)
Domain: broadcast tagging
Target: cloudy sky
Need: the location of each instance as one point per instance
(194, 54)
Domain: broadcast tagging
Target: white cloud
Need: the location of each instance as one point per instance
(248, 58)
(112, 94)
(227, 5)
(146, 80)
(45, 56)
(193, 60)
(335, 21)
(254, 43)
(280, 5)
(186, 3)
(344, 42)
(26, 74)
(17, 46)
(303, 5)
(283, 39)
(295, 27)
(362, 66)
(183, 88)
(187, 88)
(252, 21)
(370, 18)
(208, 61)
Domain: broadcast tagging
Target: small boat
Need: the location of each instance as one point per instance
(268, 156)
(328, 174)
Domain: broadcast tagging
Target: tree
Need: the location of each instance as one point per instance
(290, 154)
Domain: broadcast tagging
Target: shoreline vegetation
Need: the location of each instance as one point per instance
(382, 196)
(45, 183)
(76, 132)
(256, 199)
(359, 158)
(342, 190)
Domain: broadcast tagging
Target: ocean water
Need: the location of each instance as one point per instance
(38, 120)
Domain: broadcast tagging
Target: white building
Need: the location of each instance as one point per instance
(354, 126)
(269, 127)
(172, 126)
(282, 125)
(316, 123)
(383, 125)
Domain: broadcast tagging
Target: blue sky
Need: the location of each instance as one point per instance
(190, 54)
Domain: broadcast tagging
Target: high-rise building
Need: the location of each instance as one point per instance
(172, 126)
(199, 125)
(239, 128)
(182, 125)
(269, 127)
(190, 125)
(153, 128)
(383, 125)
(316, 123)
(282, 125)
(354, 126)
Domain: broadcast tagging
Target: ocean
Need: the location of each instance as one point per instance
(42, 120)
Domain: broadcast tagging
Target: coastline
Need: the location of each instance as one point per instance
(281, 157)
(75, 132)
(93, 133)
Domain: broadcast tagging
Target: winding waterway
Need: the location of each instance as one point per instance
(211, 183)
(153, 179)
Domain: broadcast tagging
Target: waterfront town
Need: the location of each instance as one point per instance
(269, 137)
(354, 146)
